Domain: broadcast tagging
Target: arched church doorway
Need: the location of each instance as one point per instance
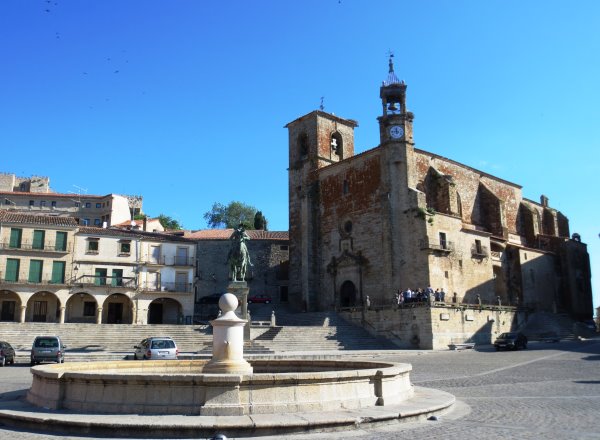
(348, 294)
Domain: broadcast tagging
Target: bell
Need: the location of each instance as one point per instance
(392, 107)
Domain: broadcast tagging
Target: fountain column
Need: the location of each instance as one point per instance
(228, 340)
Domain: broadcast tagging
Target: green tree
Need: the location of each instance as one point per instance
(169, 222)
(260, 222)
(231, 215)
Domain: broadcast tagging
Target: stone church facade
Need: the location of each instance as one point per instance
(396, 217)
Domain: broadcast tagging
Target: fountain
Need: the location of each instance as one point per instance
(228, 385)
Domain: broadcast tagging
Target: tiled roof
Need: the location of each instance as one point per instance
(49, 195)
(48, 220)
(118, 232)
(224, 234)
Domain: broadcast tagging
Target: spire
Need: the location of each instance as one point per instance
(391, 78)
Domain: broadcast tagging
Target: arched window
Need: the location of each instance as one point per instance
(336, 144)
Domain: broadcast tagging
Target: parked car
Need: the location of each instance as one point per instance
(156, 348)
(264, 299)
(7, 354)
(511, 341)
(213, 298)
(47, 349)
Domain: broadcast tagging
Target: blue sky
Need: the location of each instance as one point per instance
(184, 102)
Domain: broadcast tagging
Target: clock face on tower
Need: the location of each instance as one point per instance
(396, 132)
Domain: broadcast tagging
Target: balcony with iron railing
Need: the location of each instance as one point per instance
(27, 282)
(36, 247)
(167, 287)
(107, 281)
(479, 252)
(172, 260)
(437, 246)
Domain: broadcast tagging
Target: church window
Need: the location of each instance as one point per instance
(348, 227)
(443, 242)
(336, 144)
(303, 144)
(345, 187)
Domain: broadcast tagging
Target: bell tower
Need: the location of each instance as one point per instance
(316, 141)
(395, 123)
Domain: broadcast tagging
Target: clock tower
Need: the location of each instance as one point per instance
(395, 123)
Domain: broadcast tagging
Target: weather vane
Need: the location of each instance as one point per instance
(322, 106)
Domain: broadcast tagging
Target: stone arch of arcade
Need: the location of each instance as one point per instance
(11, 309)
(82, 307)
(117, 309)
(165, 311)
(44, 306)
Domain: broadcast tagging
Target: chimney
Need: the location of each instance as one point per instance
(544, 201)
(145, 223)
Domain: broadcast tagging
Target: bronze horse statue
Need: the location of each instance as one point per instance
(238, 257)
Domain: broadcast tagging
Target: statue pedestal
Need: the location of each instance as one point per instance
(240, 289)
(228, 341)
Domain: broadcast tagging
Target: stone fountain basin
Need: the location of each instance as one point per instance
(179, 387)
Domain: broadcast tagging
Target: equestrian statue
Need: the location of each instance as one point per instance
(238, 257)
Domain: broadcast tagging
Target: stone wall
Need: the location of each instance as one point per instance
(267, 275)
(436, 327)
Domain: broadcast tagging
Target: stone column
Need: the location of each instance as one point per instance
(99, 315)
(61, 318)
(228, 341)
(22, 315)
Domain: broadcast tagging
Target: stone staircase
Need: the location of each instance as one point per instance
(304, 332)
(95, 341)
(541, 324)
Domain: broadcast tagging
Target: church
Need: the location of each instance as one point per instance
(395, 217)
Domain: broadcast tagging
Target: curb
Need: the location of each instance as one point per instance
(19, 414)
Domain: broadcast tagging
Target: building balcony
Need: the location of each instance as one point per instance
(480, 252)
(105, 281)
(167, 287)
(36, 247)
(437, 246)
(171, 261)
(27, 282)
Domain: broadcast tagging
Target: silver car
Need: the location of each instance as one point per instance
(47, 349)
(156, 348)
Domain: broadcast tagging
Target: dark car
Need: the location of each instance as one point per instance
(511, 341)
(210, 299)
(264, 299)
(7, 354)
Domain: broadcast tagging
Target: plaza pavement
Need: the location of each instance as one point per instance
(549, 391)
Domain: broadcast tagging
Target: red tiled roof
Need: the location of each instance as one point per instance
(224, 234)
(49, 220)
(119, 232)
(49, 195)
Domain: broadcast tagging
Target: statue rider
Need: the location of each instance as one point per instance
(239, 258)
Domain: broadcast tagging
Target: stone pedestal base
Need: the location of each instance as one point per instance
(240, 289)
(227, 367)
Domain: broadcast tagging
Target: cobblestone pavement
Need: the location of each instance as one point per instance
(549, 391)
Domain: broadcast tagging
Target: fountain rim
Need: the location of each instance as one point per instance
(174, 369)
